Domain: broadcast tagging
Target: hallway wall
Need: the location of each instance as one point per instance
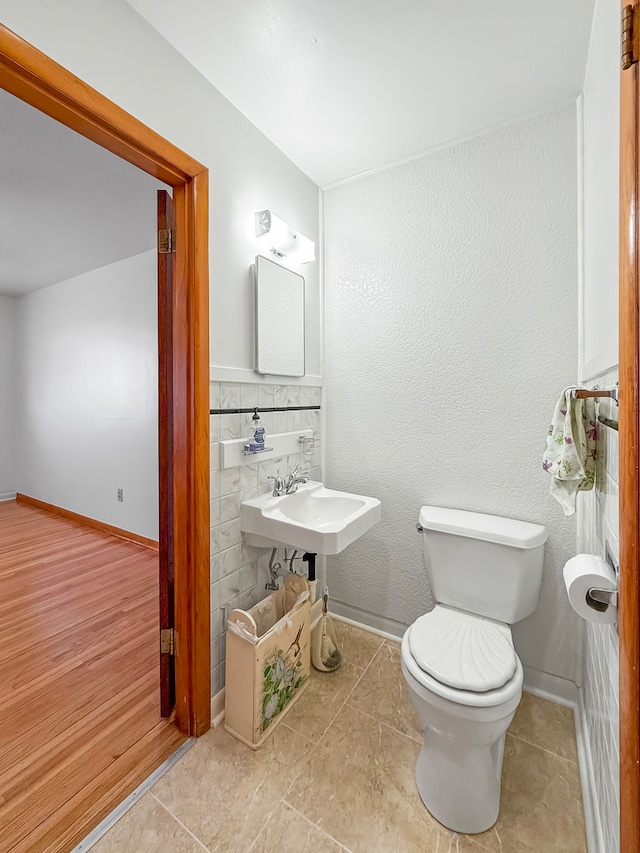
(87, 421)
(7, 396)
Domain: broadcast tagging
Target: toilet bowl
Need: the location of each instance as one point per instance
(464, 676)
(459, 767)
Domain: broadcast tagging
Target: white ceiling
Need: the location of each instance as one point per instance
(344, 86)
(67, 206)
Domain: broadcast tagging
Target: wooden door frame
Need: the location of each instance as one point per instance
(629, 472)
(36, 79)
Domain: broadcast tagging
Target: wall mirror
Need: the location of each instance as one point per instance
(279, 319)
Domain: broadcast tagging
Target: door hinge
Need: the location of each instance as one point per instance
(630, 36)
(166, 241)
(167, 641)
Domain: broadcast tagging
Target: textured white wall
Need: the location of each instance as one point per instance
(601, 142)
(451, 328)
(7, 395)
(151, 80)
(598, 522)
(88, 399)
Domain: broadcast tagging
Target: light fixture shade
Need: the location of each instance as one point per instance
(283, 240)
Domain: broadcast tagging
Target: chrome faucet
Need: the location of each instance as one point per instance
(278, 486)
(289, 484)
(295, 478)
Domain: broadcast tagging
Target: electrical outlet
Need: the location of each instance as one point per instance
(121, 495)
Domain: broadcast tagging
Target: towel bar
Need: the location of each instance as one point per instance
(583, 393)
(608, 422)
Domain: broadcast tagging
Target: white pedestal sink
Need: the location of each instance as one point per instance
(313, 518)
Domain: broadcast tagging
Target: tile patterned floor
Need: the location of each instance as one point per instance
(338, 775)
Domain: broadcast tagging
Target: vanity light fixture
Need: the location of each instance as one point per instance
(283, 240)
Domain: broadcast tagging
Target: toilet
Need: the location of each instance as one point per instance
(464, 676)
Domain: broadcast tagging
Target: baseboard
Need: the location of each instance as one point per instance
(542, 684)
(565, 692)
(595, 837)
(217, 709)
(89, 522)
(7, 496)
(539, 683)
(381, 625)
(552, 687)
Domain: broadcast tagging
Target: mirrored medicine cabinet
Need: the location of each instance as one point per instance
(280, 322)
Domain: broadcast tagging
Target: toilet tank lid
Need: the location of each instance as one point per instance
(489, 528)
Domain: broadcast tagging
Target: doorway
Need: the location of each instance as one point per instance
(37, 80)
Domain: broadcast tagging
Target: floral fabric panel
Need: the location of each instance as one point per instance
(570, 455)
(283, 675)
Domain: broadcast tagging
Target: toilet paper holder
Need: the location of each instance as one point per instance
(600, 599)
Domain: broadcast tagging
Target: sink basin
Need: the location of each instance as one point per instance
(316, 519)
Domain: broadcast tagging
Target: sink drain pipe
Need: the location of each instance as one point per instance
(310, 559)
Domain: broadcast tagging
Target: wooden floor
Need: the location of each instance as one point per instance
(80, 725)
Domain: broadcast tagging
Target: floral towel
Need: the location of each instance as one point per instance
(570, 456)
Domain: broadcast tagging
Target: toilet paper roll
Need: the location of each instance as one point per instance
(582, 573)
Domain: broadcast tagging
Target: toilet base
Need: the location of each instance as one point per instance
(461, 787)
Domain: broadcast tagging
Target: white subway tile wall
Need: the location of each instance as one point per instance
(238, 571)
(598, 527)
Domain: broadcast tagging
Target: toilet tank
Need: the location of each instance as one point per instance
(484, 564)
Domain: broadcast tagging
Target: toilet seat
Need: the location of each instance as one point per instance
(463, 650)
(488, 699)
(485, 699)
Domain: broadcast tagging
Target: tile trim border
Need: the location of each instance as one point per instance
(248, 375)
(111, 819)
(248, 411)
